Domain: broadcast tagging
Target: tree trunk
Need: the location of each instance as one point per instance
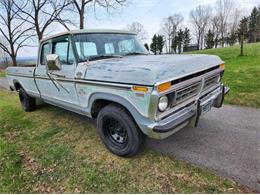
(14, 62)
(81, 18)
(241, 45)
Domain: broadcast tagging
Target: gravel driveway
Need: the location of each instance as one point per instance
(227, 141)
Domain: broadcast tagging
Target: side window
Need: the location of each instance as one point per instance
(44, 52)
(109, 48)
(64, 50)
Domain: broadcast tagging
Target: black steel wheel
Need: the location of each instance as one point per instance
(118, 131)
(28, 103)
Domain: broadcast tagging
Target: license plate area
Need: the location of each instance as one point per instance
(206, 107)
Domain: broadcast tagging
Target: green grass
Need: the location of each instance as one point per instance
(242, 73)
(2, 73)
(50, 150)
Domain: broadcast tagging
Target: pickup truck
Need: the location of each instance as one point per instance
(110, 76)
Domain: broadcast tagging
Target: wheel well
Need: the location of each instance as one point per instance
(101, 103)
(17, 86)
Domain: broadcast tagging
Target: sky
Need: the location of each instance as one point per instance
(150, 13)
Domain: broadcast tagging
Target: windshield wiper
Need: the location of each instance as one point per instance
(135, 53)
(104, 57)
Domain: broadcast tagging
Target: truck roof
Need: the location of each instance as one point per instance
(91, 31)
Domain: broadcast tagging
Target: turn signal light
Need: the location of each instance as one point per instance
(164, 87)
(222, 66)
(140, 89)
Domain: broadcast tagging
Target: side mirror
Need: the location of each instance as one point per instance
(53, 62)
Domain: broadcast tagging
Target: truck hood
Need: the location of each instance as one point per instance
(149, 69)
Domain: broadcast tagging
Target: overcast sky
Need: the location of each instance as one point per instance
(148, 12)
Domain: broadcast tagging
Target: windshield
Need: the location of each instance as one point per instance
(92, 46)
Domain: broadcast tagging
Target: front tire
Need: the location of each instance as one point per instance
(28, 103)
(118, 131)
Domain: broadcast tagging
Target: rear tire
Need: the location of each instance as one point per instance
(119, 131)
(28, 103)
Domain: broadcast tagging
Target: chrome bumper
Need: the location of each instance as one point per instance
(187, 115)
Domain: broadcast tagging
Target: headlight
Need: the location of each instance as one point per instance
(163, 103)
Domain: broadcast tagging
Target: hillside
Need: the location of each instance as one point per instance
(242, 73)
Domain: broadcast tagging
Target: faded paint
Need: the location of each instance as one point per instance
(149, 69)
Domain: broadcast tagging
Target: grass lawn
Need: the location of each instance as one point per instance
(51, 150)
(2, 73)
(242, 73)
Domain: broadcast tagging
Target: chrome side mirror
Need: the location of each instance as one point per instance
(53, 62)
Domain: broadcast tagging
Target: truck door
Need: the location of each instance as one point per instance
(59, 87)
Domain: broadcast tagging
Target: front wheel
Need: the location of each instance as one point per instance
(28, 103)
(118, 131)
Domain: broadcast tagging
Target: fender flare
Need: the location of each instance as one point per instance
(137, 116)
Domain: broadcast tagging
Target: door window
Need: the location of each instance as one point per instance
(44, 52)
(64, 50)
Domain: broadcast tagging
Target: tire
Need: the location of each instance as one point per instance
(119, 131)
(28, 103)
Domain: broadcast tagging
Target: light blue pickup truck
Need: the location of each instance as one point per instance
(109, 75)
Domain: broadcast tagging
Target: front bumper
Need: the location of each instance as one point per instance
(187, 115)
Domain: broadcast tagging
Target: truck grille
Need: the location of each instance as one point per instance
(210, 82)
(187, 92)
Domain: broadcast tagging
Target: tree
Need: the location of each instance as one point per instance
(215, 21)
(138, 28)
(13, 33)
(153, 46)
(147, 46)
(169, 28)
(209, 40)
(42, 13)
(180, 40)
(80, 7)
(242, 31)
(174, 44)
(232, 38)
(187, 37)
(157, 44)
(223, 9)
(254, 25)
(160, 43)
(200, 18)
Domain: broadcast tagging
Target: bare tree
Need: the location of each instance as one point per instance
(223, 9)
(215, 22)
(80, 7)
(200, 17)
(3, 56)
(42, 13)
(138, 28)
(14, 34)
(170, 27)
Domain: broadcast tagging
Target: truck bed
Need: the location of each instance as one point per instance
(25, 77)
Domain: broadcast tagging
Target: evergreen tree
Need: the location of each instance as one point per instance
(253, 25)
(147, 46)
(160, 44)
(180, 40)
(153, 46)
(242, 32)
(157, 44)
(187, 37)
(232, 38)
(174, 44)
(209, 40)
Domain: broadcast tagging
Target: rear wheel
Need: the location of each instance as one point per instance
(28, 103)
(118, 131)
